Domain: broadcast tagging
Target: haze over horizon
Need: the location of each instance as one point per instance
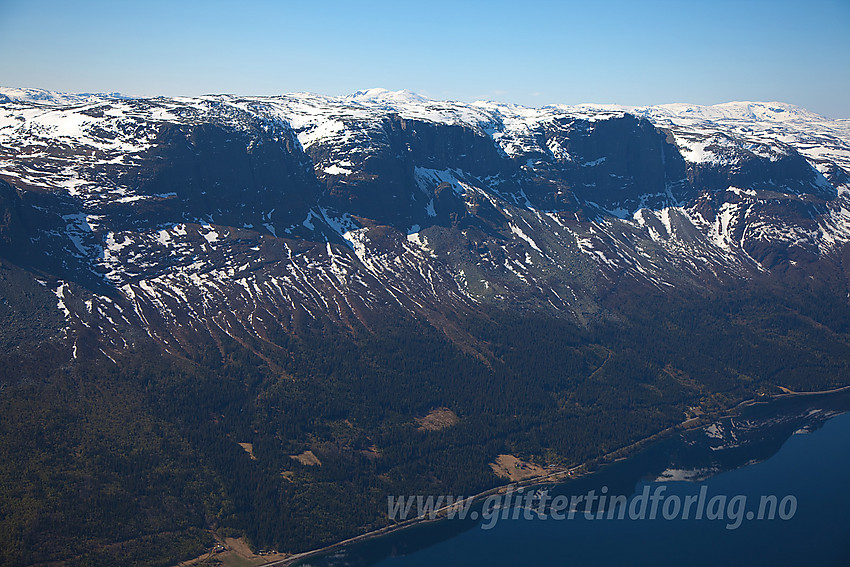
(539, 53)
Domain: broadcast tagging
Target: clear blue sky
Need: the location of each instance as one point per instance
(530, 52)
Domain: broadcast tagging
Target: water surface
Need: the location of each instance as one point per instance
(792, 449)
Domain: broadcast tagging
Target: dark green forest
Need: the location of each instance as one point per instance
(138, 462)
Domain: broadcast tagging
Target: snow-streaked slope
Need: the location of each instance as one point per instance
(422, 205)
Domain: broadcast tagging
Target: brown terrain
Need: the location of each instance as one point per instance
(510, 467)
(437, 419)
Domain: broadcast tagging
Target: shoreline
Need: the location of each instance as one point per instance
(568, 473)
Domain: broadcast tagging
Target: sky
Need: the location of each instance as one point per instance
(529, 52)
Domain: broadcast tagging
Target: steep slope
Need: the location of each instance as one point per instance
(309, 204)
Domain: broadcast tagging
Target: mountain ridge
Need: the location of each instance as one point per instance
(601, 163)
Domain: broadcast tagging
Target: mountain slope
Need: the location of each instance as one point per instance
(304, 272)
(138, 189)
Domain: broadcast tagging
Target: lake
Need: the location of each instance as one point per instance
(770, 486)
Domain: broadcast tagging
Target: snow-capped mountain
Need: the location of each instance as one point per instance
(52, 98)
(182, 218)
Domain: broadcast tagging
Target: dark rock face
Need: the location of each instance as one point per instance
(11, 228)
(620, 164)
(233, 176)
(788, 174)
(29, 225)
(384, 187)
(617, 164)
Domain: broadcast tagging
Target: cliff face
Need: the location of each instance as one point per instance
(11, 228)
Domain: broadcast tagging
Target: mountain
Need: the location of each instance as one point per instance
(317, 273)
(156, 199)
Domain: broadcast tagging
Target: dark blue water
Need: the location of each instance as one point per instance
(812, 469)
(815, 468)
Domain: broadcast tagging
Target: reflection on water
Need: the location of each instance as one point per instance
(794, 446)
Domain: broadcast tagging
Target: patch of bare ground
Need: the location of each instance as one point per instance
(511, 467)
(307, 458)
(437, 419)
(372, 452)
(249, 448)
(232, 552)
